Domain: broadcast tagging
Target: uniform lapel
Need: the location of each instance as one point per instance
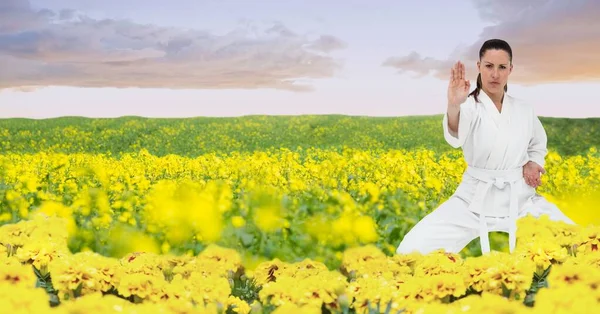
(490, 107)
(503, 133)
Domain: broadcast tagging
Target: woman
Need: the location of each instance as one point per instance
(504, 146)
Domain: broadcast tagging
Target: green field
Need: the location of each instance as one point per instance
(163, 202)
(196, 136)
(186, 149)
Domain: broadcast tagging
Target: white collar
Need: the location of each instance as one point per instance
(491, 108)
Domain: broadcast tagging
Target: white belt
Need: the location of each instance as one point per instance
(498, 178)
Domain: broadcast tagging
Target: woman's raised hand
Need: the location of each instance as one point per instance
(458, 88)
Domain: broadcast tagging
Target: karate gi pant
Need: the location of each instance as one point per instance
(452, 226)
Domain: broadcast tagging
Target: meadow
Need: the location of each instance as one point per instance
(274, 214)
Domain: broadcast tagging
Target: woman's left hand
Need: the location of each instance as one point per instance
(532, 173)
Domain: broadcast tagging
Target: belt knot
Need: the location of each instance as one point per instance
(498, 178)
(500, 182)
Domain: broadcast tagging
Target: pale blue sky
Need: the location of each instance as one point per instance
(115, 46)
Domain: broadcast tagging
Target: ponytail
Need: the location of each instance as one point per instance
(475, 92)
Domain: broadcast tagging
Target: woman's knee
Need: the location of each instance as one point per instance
(427, 242)
(444, 228)
(410, 243)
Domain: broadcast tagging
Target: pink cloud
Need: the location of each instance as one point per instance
(42, 48)
(552, 41)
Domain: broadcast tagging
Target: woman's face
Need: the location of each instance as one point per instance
(495, 67)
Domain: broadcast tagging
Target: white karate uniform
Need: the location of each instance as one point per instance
(496, 145)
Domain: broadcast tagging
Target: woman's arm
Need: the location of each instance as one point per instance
(536, 152)
(458, 123)
(537, 149)
(453, 118)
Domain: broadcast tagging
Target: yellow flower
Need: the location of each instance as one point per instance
(365, 229)
(206, 288)
(56, 209)
(574, 299)
(3, 252)
(445, 285)
(238, 305)
(39, 253)
(569, 275)
(268, 218)
(96, 303)
(23, 299)
(125, 240)
(543, 253)
(300, 309)
(15, 273)
(489, 303)
(589, 240)
(86, 273)
(225, 259)
(238, 221)
(142, 286)
(438, 262)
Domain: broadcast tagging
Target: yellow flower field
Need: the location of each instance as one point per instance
(278, 231)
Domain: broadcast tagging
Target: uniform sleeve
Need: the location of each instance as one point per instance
(537, 149)
(465, 125)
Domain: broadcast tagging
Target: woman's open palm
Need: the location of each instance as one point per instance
(458, 88)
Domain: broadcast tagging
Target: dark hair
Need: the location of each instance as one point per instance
(498, 44)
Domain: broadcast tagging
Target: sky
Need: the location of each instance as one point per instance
(185, 58)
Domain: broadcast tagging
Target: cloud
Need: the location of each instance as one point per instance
(414, 63)
(67, 48)
(552, 41)
(327, 43)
